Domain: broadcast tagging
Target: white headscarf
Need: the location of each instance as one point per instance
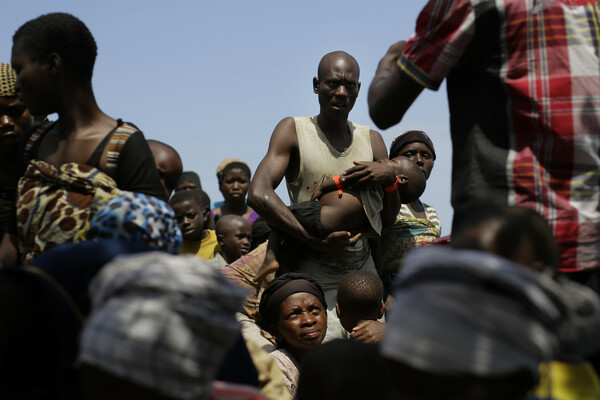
(472, 313)
(161, 321)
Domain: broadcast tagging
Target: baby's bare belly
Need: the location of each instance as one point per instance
(342, 214)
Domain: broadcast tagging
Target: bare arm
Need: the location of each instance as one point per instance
(270, 172)
(391, 200)
(392, 91)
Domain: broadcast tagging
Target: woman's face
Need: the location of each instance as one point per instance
(235, 184)
(420, 154)
(302, 322)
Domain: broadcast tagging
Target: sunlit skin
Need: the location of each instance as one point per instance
(235, 237)
(190, 218)
(234, 189)
(421, 155)
(302, 323)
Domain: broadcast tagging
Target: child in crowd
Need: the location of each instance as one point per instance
(234, 235)
(335, 208)
(360, 304)
(191, 208)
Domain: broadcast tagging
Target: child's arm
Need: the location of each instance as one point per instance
(326, 186)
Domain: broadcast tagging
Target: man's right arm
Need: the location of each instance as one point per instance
(261, 194)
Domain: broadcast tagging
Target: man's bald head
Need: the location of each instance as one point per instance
(168, 163)
(331, 58)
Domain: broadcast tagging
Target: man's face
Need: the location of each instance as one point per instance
(14, 121)
(337, 86)
(32, 81)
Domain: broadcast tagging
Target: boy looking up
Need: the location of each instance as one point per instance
(191, 208)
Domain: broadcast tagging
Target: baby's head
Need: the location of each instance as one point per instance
(412, 180)
(359, 297)
(191, 208)
(234, 234)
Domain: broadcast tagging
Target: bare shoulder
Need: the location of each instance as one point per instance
(378, 145)
(285, 133)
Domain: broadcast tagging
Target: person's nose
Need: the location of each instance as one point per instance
(309, 319)
(5, 121)
(419, 159)
(341, 91)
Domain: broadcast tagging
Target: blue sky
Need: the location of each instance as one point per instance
(212, 79)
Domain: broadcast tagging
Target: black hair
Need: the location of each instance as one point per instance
(516, 225)
(234, 165)
(360, 292)
(189, 176)
(63, 34)
(194, 196)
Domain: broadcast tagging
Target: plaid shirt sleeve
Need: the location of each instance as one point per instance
(444, 30)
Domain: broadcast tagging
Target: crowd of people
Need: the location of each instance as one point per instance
(119, 278)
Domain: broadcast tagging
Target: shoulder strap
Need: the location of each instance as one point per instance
(34, 139)
(117, 141)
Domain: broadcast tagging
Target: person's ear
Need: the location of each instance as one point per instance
(316, 85)
(403, 179)
(337, 310)
(358, 88)
(381, 311)
(220, 239)
(53, 62)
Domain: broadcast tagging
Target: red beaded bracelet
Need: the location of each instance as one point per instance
(338, 184)
(393, 187)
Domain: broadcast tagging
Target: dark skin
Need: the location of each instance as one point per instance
(47, 86)
(392, 91)
(234, 189)
(423, 157)
(337, 87)
(168, 163)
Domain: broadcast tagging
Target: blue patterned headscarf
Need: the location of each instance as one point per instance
(139, 218)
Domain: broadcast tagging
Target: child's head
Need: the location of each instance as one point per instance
(234, 234)
(516, 233)
(359, 297)
(234, 180)
(190, 210)
(168, 163)
(412, 180)
(189, 180)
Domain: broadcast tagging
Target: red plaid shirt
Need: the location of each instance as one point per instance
(523, 82)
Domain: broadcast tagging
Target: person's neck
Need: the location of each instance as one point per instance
(333, 127)
(235, 207)
(78, 111)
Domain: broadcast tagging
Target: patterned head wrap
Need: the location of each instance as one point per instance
(411, 136)
(473, 313)
(136, 217)
(162, 321)
(8, 79)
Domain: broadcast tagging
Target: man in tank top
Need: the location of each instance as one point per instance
(303, 149)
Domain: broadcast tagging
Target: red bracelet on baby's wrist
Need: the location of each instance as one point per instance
(393, 187)
(338, 184)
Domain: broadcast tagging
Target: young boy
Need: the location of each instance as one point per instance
(191, 209)
(360, 304)
(234, 235)
(334, 208)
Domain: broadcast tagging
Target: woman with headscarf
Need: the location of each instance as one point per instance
(292, 309)
(234, 179)
(416, 222)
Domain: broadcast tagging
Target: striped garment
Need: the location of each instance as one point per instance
(524, 98)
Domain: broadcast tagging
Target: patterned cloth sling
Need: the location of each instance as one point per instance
(55, 204)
